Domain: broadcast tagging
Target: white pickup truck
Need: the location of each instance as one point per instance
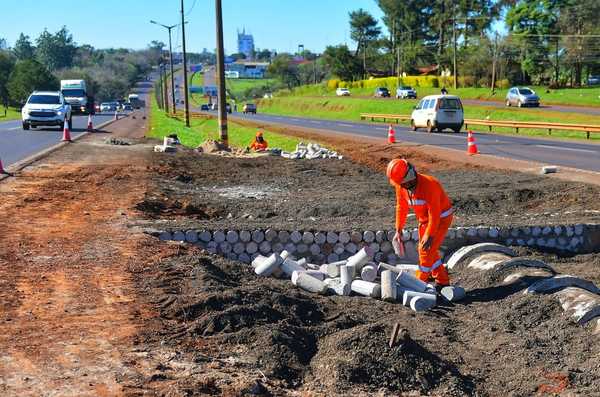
(46, 108)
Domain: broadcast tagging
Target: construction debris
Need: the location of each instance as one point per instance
(167, 146)
(310, 151)
(117, 141)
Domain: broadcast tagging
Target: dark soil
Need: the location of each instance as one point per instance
(192, 190)
(244, 333)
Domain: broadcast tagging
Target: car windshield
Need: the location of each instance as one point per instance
(450, 103)
(382, 89)
(73, 92)
(45, 99)
(105, 104)
(406, 88)
(525, 91)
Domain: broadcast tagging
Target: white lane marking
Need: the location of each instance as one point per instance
(294, 119)
(346, 125)
(14, 128)
(567, 148)
(315, 121)
(381, 129)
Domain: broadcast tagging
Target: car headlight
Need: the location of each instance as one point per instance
(59, 113)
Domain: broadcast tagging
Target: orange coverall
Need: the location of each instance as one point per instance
(257, 146)
(433, 210)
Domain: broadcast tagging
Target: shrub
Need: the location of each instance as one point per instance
(504, 83)
(483, 82)
(332, 84)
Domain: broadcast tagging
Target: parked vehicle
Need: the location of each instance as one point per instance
(521, 97)
(46, 108)
(382, 92)
(75, 93)
(108, 106)
(127, 106)
(438, 112)
(249, 108)
(594, 80)
(406, 92)
(135, 101)
(204, 107)
(228, 107)
(342, 92)
(214, 106)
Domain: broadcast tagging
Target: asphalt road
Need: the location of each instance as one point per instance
(17, 144)
(584, 156)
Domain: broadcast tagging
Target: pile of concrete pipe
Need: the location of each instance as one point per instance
(579, 298)
(311, 151)
(357, 275)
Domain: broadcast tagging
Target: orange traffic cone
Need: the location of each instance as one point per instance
(90, 126)
(471, 146)
(391, 135)
(2, 170)
(66, 133)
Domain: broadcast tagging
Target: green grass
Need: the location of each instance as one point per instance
(202, 129)
(237, 87)
(11, 114)
(349, 108)
(587, 96)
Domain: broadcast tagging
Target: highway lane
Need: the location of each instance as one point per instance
(17, 144)
(579, 155)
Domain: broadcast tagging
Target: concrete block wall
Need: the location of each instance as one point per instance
(320, 247)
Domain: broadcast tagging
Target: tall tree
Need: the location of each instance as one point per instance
(341, 62)
(23, 48)
(364, 30)
(55, 50)
(284, 68)
(27, 76)
(6, 66)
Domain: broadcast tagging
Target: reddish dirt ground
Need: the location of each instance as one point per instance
(92, 306)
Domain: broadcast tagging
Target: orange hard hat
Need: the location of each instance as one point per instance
(400, 171)
(259, 134)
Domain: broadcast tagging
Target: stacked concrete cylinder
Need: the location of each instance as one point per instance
(320, 247)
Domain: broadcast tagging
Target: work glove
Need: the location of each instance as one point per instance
(426, 243)
(398, 244)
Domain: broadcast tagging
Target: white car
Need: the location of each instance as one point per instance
(438, 112)
(342, 92)
(46, 108)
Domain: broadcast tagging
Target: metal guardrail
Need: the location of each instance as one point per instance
(587, 128)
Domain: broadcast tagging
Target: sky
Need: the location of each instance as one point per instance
(275, 24)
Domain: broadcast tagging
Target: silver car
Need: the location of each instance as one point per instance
(521, 97)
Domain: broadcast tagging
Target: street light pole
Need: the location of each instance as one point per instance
(221, 75)
(169, 28)
(185, 76)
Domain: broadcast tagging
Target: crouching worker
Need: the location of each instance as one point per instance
(259, 143)
(433, 211)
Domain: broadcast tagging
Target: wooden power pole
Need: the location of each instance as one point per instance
(222, 98)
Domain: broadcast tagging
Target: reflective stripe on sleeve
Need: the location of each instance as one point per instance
(424, 269)
(437, 264)
(446, 213)
(417, 202)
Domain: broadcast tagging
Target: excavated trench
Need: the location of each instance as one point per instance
(247, 334)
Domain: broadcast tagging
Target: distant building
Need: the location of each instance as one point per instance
(246, 70)
(245, 44)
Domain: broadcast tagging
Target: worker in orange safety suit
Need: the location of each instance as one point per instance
(259, 143)
(433, 210)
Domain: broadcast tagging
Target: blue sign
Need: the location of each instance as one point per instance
(196, 68)
(229, 60)
(194, 89)
(210, 90)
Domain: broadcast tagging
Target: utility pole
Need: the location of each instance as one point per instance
(169, 27)
(494, 60)
(185, 76)
(161, 102)
(221, 75)
(166, 91)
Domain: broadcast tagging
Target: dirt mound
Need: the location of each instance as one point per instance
(360, 358)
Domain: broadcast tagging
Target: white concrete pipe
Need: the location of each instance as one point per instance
(453, 293)
(257, 261)
(368, 273)
(332, 237)
(245, 236)
(409, 281)
(421, 304)
(346, 274)
(311, 284)
(289, 266)
(232, 237)
(302, 262)
(359, 259)
(409, 295)
(267, 266)
(389, 290)
(320, 238)
(313, 273)
(366, 288)
(308, 238)
(344, 237)
(335, 285)
(270, 235)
